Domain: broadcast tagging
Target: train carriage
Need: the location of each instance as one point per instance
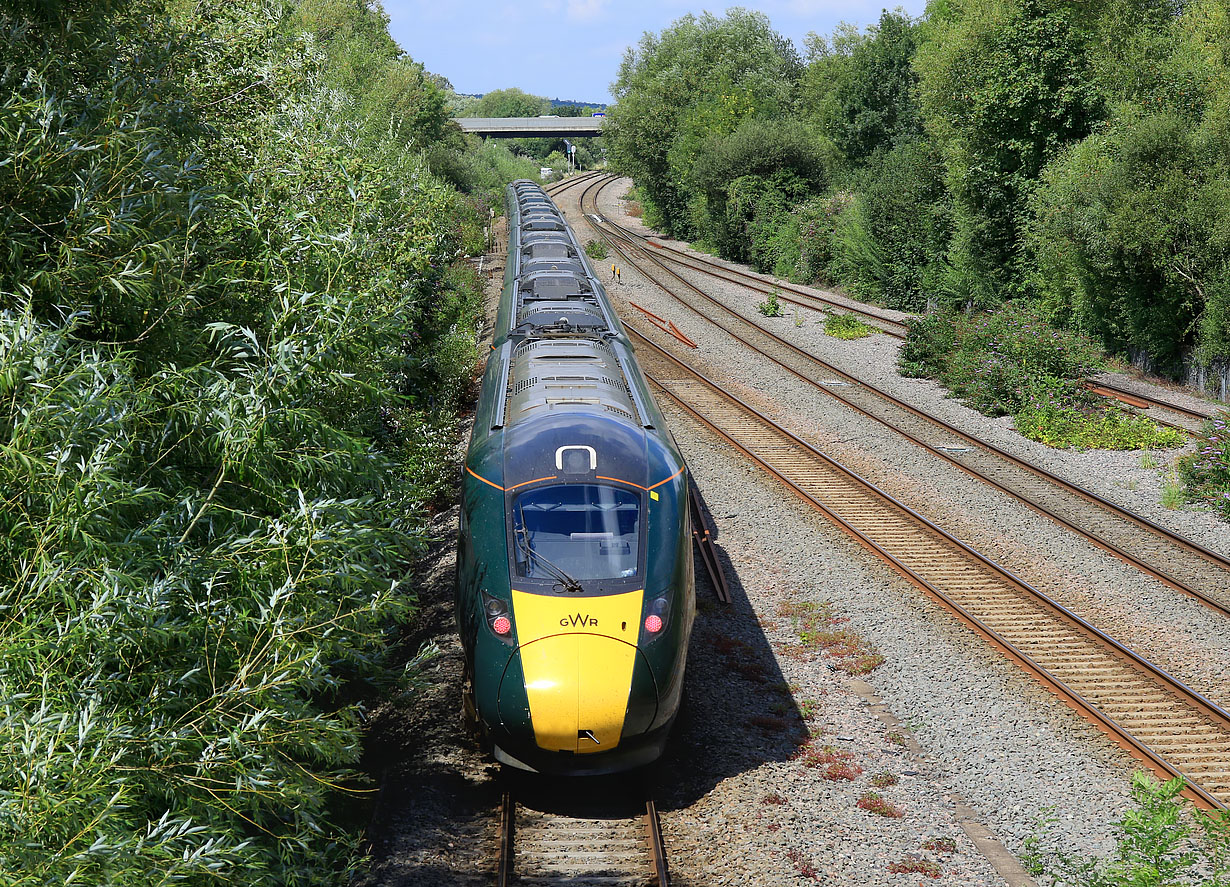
(575, 593)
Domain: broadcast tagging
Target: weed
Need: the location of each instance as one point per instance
(896, 737)
(846, 326)
(770, 307)
(596, 249)
(1164, 840)
(822, 756)
(874, 803)
(1206, 474)
(1147, 461)
(940, 845)
(915, 865)
(803, 865)
(1173, 492)
(884, 780)
(807, 709)
(798, 318)
(842, 770)
(773, 799)
(862, 664)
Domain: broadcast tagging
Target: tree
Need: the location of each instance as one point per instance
(699, 78)
(510, 103)
(1005, 86)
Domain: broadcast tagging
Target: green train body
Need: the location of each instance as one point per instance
(575, 591)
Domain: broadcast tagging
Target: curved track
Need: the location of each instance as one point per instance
(1180, 563)
(1166, 412)
(1157, 718)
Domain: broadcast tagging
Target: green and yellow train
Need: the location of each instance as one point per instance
(575, 592)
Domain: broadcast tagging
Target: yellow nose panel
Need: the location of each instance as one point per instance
(577, 656)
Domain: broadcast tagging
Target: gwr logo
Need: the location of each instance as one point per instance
(580, 620)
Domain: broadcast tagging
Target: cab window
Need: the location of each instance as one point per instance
(589, 531)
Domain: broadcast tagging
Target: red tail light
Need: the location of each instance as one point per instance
(653, 623)
(501, 625)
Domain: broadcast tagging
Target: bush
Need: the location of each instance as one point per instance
(929, 341)
(596, 249)
(993, 357)
(1206, 475)
(1164, 840)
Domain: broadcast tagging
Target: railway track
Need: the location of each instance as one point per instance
(1170, 727)
(603, 836)
(1163, 411)
(572, 181)
(1178, 562)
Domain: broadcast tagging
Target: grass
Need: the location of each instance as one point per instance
(1173, 492)
(847, 326)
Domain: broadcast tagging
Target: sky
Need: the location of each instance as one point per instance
(571, 49)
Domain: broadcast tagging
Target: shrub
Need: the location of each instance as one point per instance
(1061, 415)
(847, 326)
(1011, 361)
(1163, 840)
(1206, 475)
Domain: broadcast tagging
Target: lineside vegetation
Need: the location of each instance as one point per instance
(1065, 156)
(235, 325)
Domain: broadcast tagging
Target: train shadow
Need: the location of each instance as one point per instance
(739, 712)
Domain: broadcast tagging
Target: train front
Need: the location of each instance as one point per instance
(579, 622)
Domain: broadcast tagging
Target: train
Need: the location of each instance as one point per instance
(575, 591)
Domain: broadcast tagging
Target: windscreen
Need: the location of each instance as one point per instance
(589, 531)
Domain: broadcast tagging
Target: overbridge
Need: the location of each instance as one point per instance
(531, 127)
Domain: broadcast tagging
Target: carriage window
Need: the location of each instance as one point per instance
(589, 531)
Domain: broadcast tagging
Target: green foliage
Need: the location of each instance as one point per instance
(1164, 840)
(770, 307)
(847, 326)
(888, 248)
(510, 103)
(233, 335)
(1206, 474)
(698, 79)
(1060, 417)
(749, 180)
(862, 88)
(991, 358)
(596, 249)
(1005, 85)
(1132, 226)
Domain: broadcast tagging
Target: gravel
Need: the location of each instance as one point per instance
(739, 803)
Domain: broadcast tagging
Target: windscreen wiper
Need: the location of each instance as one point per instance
(523, 543)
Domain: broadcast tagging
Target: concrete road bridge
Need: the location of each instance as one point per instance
(531, 127)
